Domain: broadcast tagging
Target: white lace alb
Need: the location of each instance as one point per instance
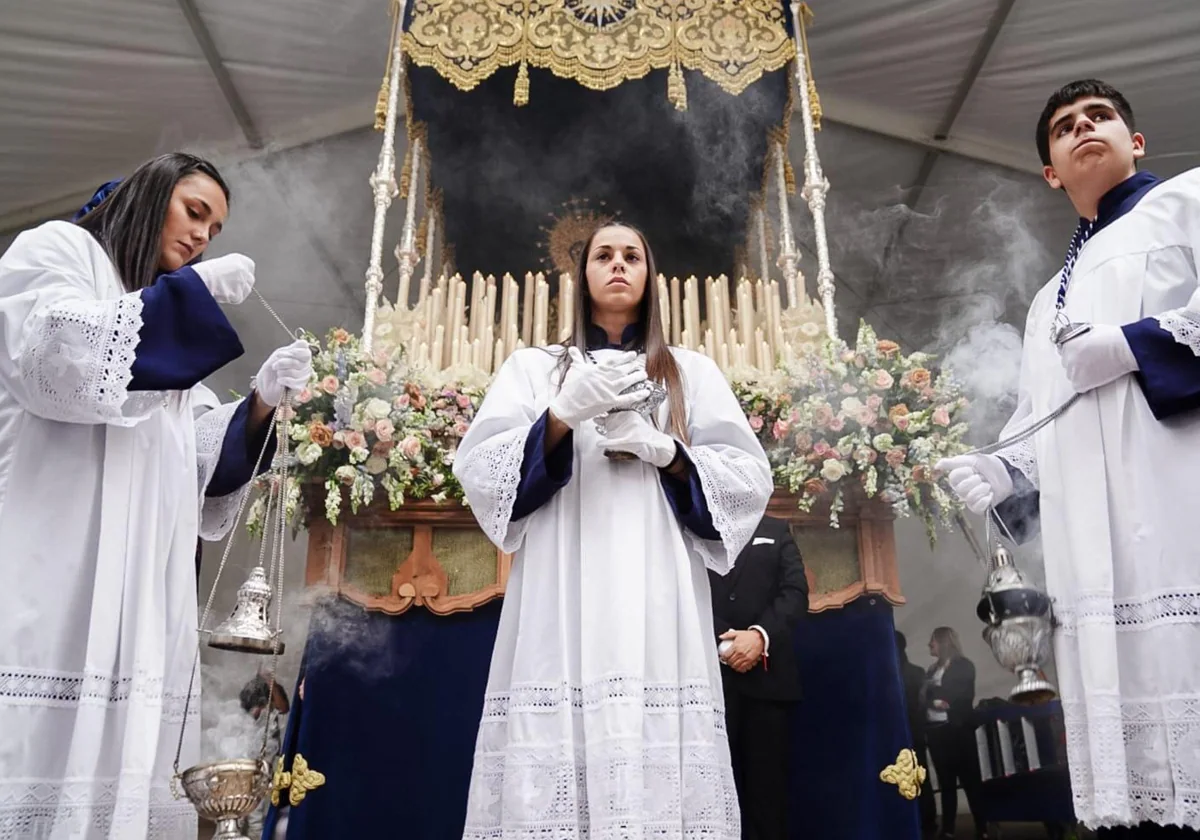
(1022, 456)
(545, 769)
(92, 809)
(491, 473)
(734, 489)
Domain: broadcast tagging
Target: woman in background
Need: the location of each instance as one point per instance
(113, 459)
(949, 708)
(603, 713)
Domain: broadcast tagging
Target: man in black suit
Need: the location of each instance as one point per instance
(756, 607)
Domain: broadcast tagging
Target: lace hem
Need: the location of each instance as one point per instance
(737, 494)
(63, 689)
(1134, 760)
(668, 780)
(216, 514)
(125, 807)
(80, 362)
(490, 474)
(1183, 327)
(1152, 609)
(1022, 456)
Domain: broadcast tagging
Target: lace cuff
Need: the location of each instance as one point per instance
(1183, 326)
(216, 514)
(737, 491)
(79, 360)
(490, 474)
(1023, 457)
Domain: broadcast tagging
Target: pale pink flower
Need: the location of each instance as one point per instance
(411, 447)
(865, 455)
(881, 380)
(463, 401)
(895, 457)
(329, 384)
(901, 422)
(339, 439)
(803, 442)
(460, 427)
(384, 429)
(304, 396)
(340, 336)
(822, 416)
(866, 416)
(355, 440)
(941, 417)
(822, 448)
(756, 422)
(848, 388)
(874, 402)
(837, 423)
(780, 429)
(376, 377)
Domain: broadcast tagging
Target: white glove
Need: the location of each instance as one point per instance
(629, 431)
(288, 367)
(229, 279)
(1097, 357)
(589, 390)
(981, 481)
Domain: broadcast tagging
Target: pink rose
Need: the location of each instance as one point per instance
(756, 422)
(874, 402)
(463, 401)
(340, 336)
(849, 388)
(803, 442)
(376, 377)
(304, 396)
(339, 439)
(865, 455)
(329, 384)
(380, 357)
(355, 440)
(384, 429)
(382, 448)
(837, 424)
(895, 457)
(866, 416)
(881, 380)
(460, 427)
(400, 401)
(780, 429)
(941, 417)
(411, 447)
(822, 448)
(901, 423)
(823, 416)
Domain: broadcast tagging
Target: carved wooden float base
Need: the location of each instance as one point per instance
(435, 556)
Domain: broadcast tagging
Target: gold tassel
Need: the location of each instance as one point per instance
(789, 176)
(814, 102)
(381, 104)
(406, 171)
(521, 89)
(422, 233)
(676, 88)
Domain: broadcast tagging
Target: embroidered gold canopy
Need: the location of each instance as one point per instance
(601, 43)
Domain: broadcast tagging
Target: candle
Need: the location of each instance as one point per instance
(505, 304)
(498, 355)
(664, 309)
(527, 312)
(677, 325)
(540, 307)
(457, 316)
(423, 355)
(685, 339)
(723, 357)
(475, 316)
(489, 310)
(438, 357)
(489, 345)
(567, 310)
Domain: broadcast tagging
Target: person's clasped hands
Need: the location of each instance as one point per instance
(589, 390)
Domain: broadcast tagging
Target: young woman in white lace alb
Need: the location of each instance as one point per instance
(113, 458)
(603, 715)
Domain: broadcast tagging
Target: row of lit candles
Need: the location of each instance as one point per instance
(457, 323)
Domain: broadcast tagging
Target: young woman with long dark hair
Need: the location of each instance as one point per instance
(113, 459)
(603, 716)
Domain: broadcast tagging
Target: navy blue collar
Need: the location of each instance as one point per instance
(1122, 198)
(597, 339)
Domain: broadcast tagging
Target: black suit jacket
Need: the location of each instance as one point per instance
(957, 689)
(767, 587)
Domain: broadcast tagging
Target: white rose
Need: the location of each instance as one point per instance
(833, 469)
(377, 409)
(850, 405)
(309, 453)
(376, 464)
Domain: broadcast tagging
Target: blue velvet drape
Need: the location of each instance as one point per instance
(392, 707)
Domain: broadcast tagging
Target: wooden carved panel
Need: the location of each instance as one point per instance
(425, 554)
